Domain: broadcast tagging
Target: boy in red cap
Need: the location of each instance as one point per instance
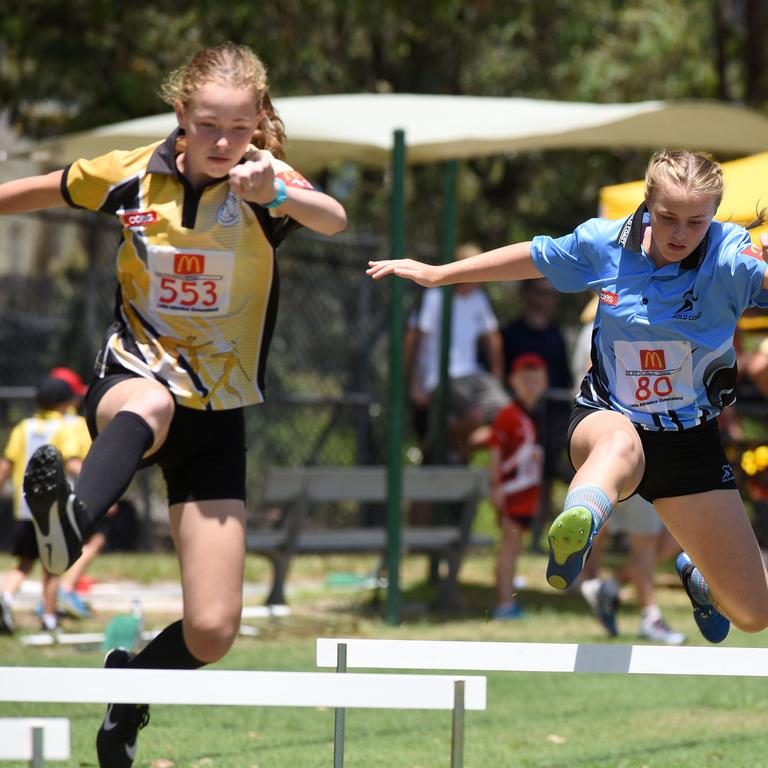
(517, 462)
(53, 423)
(72, 378)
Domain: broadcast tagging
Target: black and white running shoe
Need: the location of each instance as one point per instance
(116, 739)
(7, 623)
(56, 512)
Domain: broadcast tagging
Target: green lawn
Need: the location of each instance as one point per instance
(542, 720)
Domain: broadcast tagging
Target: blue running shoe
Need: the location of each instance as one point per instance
(570, 542)
(711, 623)
(507, 612)
(73, 605)
(602, 596)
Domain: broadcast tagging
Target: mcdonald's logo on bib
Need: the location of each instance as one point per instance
(652, 360)
(189, 264)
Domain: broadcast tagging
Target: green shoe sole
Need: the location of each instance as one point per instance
(570, 534)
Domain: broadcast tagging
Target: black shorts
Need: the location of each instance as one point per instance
(23, 540)
(677, 463)
(203, 457)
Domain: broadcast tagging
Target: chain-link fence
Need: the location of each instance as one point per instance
(327, 372)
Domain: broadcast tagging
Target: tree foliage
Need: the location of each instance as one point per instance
(72, 65)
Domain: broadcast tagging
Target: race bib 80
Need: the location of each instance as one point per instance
(190, 281)
(654, 376)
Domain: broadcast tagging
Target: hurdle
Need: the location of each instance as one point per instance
(34, 739)
(544, 657)
(253, 689)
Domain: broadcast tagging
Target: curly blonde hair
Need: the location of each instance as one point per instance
(695, 172)
(239, 67)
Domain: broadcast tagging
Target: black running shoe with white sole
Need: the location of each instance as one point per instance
(7, 623)
(116, 739)
(56, 512)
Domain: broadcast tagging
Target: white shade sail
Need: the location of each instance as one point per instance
(323, 130)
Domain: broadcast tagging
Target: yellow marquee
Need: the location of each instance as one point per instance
(746, 192)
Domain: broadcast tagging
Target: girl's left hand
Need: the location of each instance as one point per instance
(254, 180)
(424, 274)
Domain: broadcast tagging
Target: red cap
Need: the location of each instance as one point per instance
(72, 378)
(528, 360)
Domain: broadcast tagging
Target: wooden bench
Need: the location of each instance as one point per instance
(296, 489)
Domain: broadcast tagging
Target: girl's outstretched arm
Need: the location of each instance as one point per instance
(511, 262)
(32, 193)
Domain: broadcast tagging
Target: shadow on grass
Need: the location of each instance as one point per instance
(626, 754)
(419, 602)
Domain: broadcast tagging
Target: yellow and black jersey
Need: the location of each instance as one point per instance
(197, 277)
(67, 431)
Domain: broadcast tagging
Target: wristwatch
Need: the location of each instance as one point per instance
(280, 197)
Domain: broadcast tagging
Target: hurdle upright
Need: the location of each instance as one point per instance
(255, 689)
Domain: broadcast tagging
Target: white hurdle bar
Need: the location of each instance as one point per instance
(544, 657)
(236, 688)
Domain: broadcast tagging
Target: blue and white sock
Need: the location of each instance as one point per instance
(698, 588)
(594, 499)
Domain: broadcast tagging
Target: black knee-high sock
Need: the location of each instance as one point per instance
(111, 463)
(167, 651)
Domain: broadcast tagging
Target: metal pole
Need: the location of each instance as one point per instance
(37, 760)
(447, 248)
(338, 730)
(90, 334)
(457, 729)
(396, 383)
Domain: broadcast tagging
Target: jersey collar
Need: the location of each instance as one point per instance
(163, 159)
(631, 237)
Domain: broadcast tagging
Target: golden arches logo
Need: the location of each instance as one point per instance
(189, 263)
(652, 360)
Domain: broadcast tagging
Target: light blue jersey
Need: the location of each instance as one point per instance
(662, 345)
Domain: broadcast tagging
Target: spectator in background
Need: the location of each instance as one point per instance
(68, 598)
(517, 462)
(56, 423)
(475, 394)
(757, 367)
(537, 330)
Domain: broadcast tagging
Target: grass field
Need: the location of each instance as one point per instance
(541, 720)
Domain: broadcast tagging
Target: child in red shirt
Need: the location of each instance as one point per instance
(517, 462)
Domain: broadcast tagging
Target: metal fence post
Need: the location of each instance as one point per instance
(341, 713)
(37, 760)
(457, 729)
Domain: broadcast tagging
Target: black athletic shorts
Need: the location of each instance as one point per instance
(203, 457)
(676, 463)
(23, 540)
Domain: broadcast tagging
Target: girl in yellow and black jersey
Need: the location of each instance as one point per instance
(202, 214)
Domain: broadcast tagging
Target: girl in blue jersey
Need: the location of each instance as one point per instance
(202, 212)
(672, 284)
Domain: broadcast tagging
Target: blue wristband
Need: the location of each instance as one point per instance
(280, 197)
